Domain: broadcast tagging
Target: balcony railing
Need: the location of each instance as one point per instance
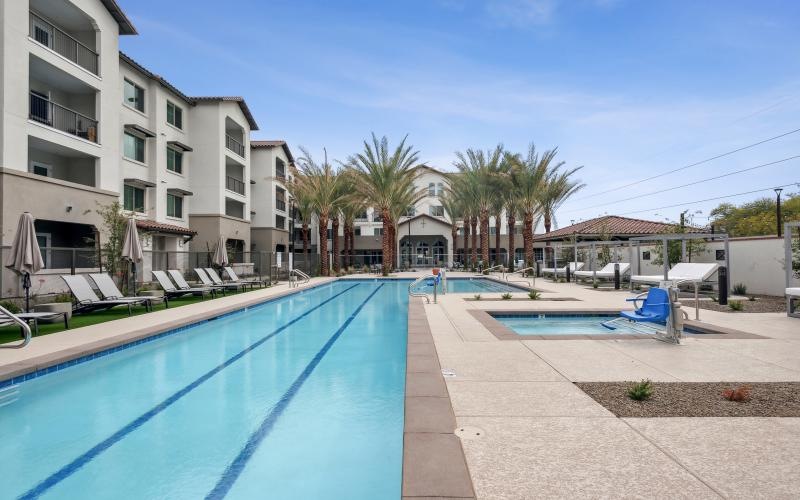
(62, 43)
(64, 119)
(280, 205)
(234, 145)
(234, 184)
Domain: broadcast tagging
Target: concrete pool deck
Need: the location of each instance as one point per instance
(529, 432)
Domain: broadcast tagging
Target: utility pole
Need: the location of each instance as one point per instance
(778, 212)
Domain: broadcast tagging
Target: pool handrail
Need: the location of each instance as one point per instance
(518, 271)
(10, 317)
(502, 269)
(300, 274)
(412, 293)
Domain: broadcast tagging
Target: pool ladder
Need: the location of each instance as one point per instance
(300, 274)
(6, 317)
(412, 293)
(499, 266)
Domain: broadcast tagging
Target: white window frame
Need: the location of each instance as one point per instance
(126, 103)
(33, 164)
(143, 161)
(176, 151)
(178, 108)
(48, 237)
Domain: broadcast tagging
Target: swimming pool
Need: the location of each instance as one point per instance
(301, 397)
(471, 285)
(562, 324)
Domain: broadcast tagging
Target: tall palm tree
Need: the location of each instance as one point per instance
(480, 170)
(453, 207)
(305, 209)
(528, 174)
(385, 177)
(510, 207)
(558, 187)
(352, 206)
(320, 182)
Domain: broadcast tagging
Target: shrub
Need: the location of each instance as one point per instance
(641, 390)
(713, 298)
(486, 272)
(65, 297)
(740, 289)
(477, 296)
(562, 280)
(506, 296)
(736, 305)
(739, 394)
(595, 285)
(10, 306)
(535, 294)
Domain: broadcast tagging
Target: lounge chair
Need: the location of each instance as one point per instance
(170, 290)
(109, 291)
(183, 285)
(792, 300)
(683, 271)
(31, 318)
(563, 270)
(250, 281)
(607, 272)
(206, 281)
(218, 281)
(88, 301)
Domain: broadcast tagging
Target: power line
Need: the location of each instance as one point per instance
(651, 193)
(709, 199)
(692, 164)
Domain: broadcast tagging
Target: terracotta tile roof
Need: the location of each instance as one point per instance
(240, 100)
(273, 144)
(612, 225)
(159, 227)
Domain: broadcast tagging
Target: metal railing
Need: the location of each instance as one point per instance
(502, 268)
(234, 145)
(234, 184)
(522, 272)
(412, 293)
(54, 115)
(5, 318)
(293, 283)
(60, 42)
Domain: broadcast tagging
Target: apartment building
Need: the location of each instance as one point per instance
(272, 223)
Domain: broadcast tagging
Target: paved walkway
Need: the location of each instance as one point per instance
(528, 432)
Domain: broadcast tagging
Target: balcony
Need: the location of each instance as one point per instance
(234, 184)
(62, 43)
(233, 145)
(59, 117)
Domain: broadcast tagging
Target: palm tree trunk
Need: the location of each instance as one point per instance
(386, 243)
(323, 246)
(305, 246)
(485, 237)
(547, 222)
(454, 238)
(498, 224)
(512, 249)
(335, 235)
(465, 257)
(527, 235)
(474, 222)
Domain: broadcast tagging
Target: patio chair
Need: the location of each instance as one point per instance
(88, 301)
(792, 300)
(206, 281)
(563, 270)
(170, 290)
(183, 285)
(234, 278)
(218, 281)
(683, 271)
(109, 291)
(607, 272)
(31, 318)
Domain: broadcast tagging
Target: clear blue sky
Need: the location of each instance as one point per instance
(626, 88)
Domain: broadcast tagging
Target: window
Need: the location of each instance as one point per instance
(133, 198)
(134, 147)
(411, 211)
(174, 115)
(492, 230)
(432, 189)
(42, 32)
(174, 206)
(42, 169)
(175, 160)
(362, 216)
(280, 222)
(357, 231)
(437, 211)
(45, 242)
(330, 234)
(378, 231)
(439, 189)
(646, 255)
(133, 95)
(280, 168)
(719, 254)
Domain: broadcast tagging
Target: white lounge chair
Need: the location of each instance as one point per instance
(212, 273)
(183, 285)
(170, 290)
(7, 318)
(792, 300)
(607, 272)
(250, 281)
(695, 272)
(206, 281)
(109, 291)
(87, 301)
(563, 270)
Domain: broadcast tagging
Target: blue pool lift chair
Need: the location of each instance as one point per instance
(655, 307)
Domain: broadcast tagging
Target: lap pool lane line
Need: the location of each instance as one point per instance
(88, 456)
(234, 470)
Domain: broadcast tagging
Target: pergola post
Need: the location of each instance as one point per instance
(665, 258)
(594, 266)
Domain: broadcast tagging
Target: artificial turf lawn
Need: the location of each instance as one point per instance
(12, 333)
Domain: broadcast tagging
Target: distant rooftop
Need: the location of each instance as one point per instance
(273, 144)
(612, 226)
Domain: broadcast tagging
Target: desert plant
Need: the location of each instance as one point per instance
(740, 289)
(534, 294)
(595, 285)
(562, 280)
(736, 305)
(751, 298)
(641, 390)
(10, 306)
(713, 298)
(506, 296)
(477, 296)
(739, 394)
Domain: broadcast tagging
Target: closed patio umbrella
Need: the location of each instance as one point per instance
(132, 248)
(25, 258)
(220, 254)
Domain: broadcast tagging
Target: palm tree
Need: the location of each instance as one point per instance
(558, 187)
(320, 182)
(510, 208)
(528, 174)
(350, 209)
(305, 208)
(386, 178)
(480, 171)
(453, 207)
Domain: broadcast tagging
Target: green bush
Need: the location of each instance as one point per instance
(641, 390)
(736, 305)
(506, 296)
(65, 297)
(740, 289)
(10, 306)
(595, 285)
(477, 296)
(535, 294)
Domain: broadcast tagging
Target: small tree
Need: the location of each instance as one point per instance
(114, 224)
(693, 247)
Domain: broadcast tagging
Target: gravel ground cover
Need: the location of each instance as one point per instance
(698, 399)
(762, 304)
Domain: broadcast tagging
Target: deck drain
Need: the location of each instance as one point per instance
(469, 432)
(447, 372)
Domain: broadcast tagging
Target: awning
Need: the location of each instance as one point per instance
(132, 127)
(152, 226)
(179, 191)
(179, 145)
(139, 182)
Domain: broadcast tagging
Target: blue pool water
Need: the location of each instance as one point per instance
(297, 398)
(471, 285)
(551, 324)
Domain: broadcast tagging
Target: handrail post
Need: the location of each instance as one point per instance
(22, 324)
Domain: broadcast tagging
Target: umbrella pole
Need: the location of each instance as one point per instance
(133, 268)
(26, 284)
